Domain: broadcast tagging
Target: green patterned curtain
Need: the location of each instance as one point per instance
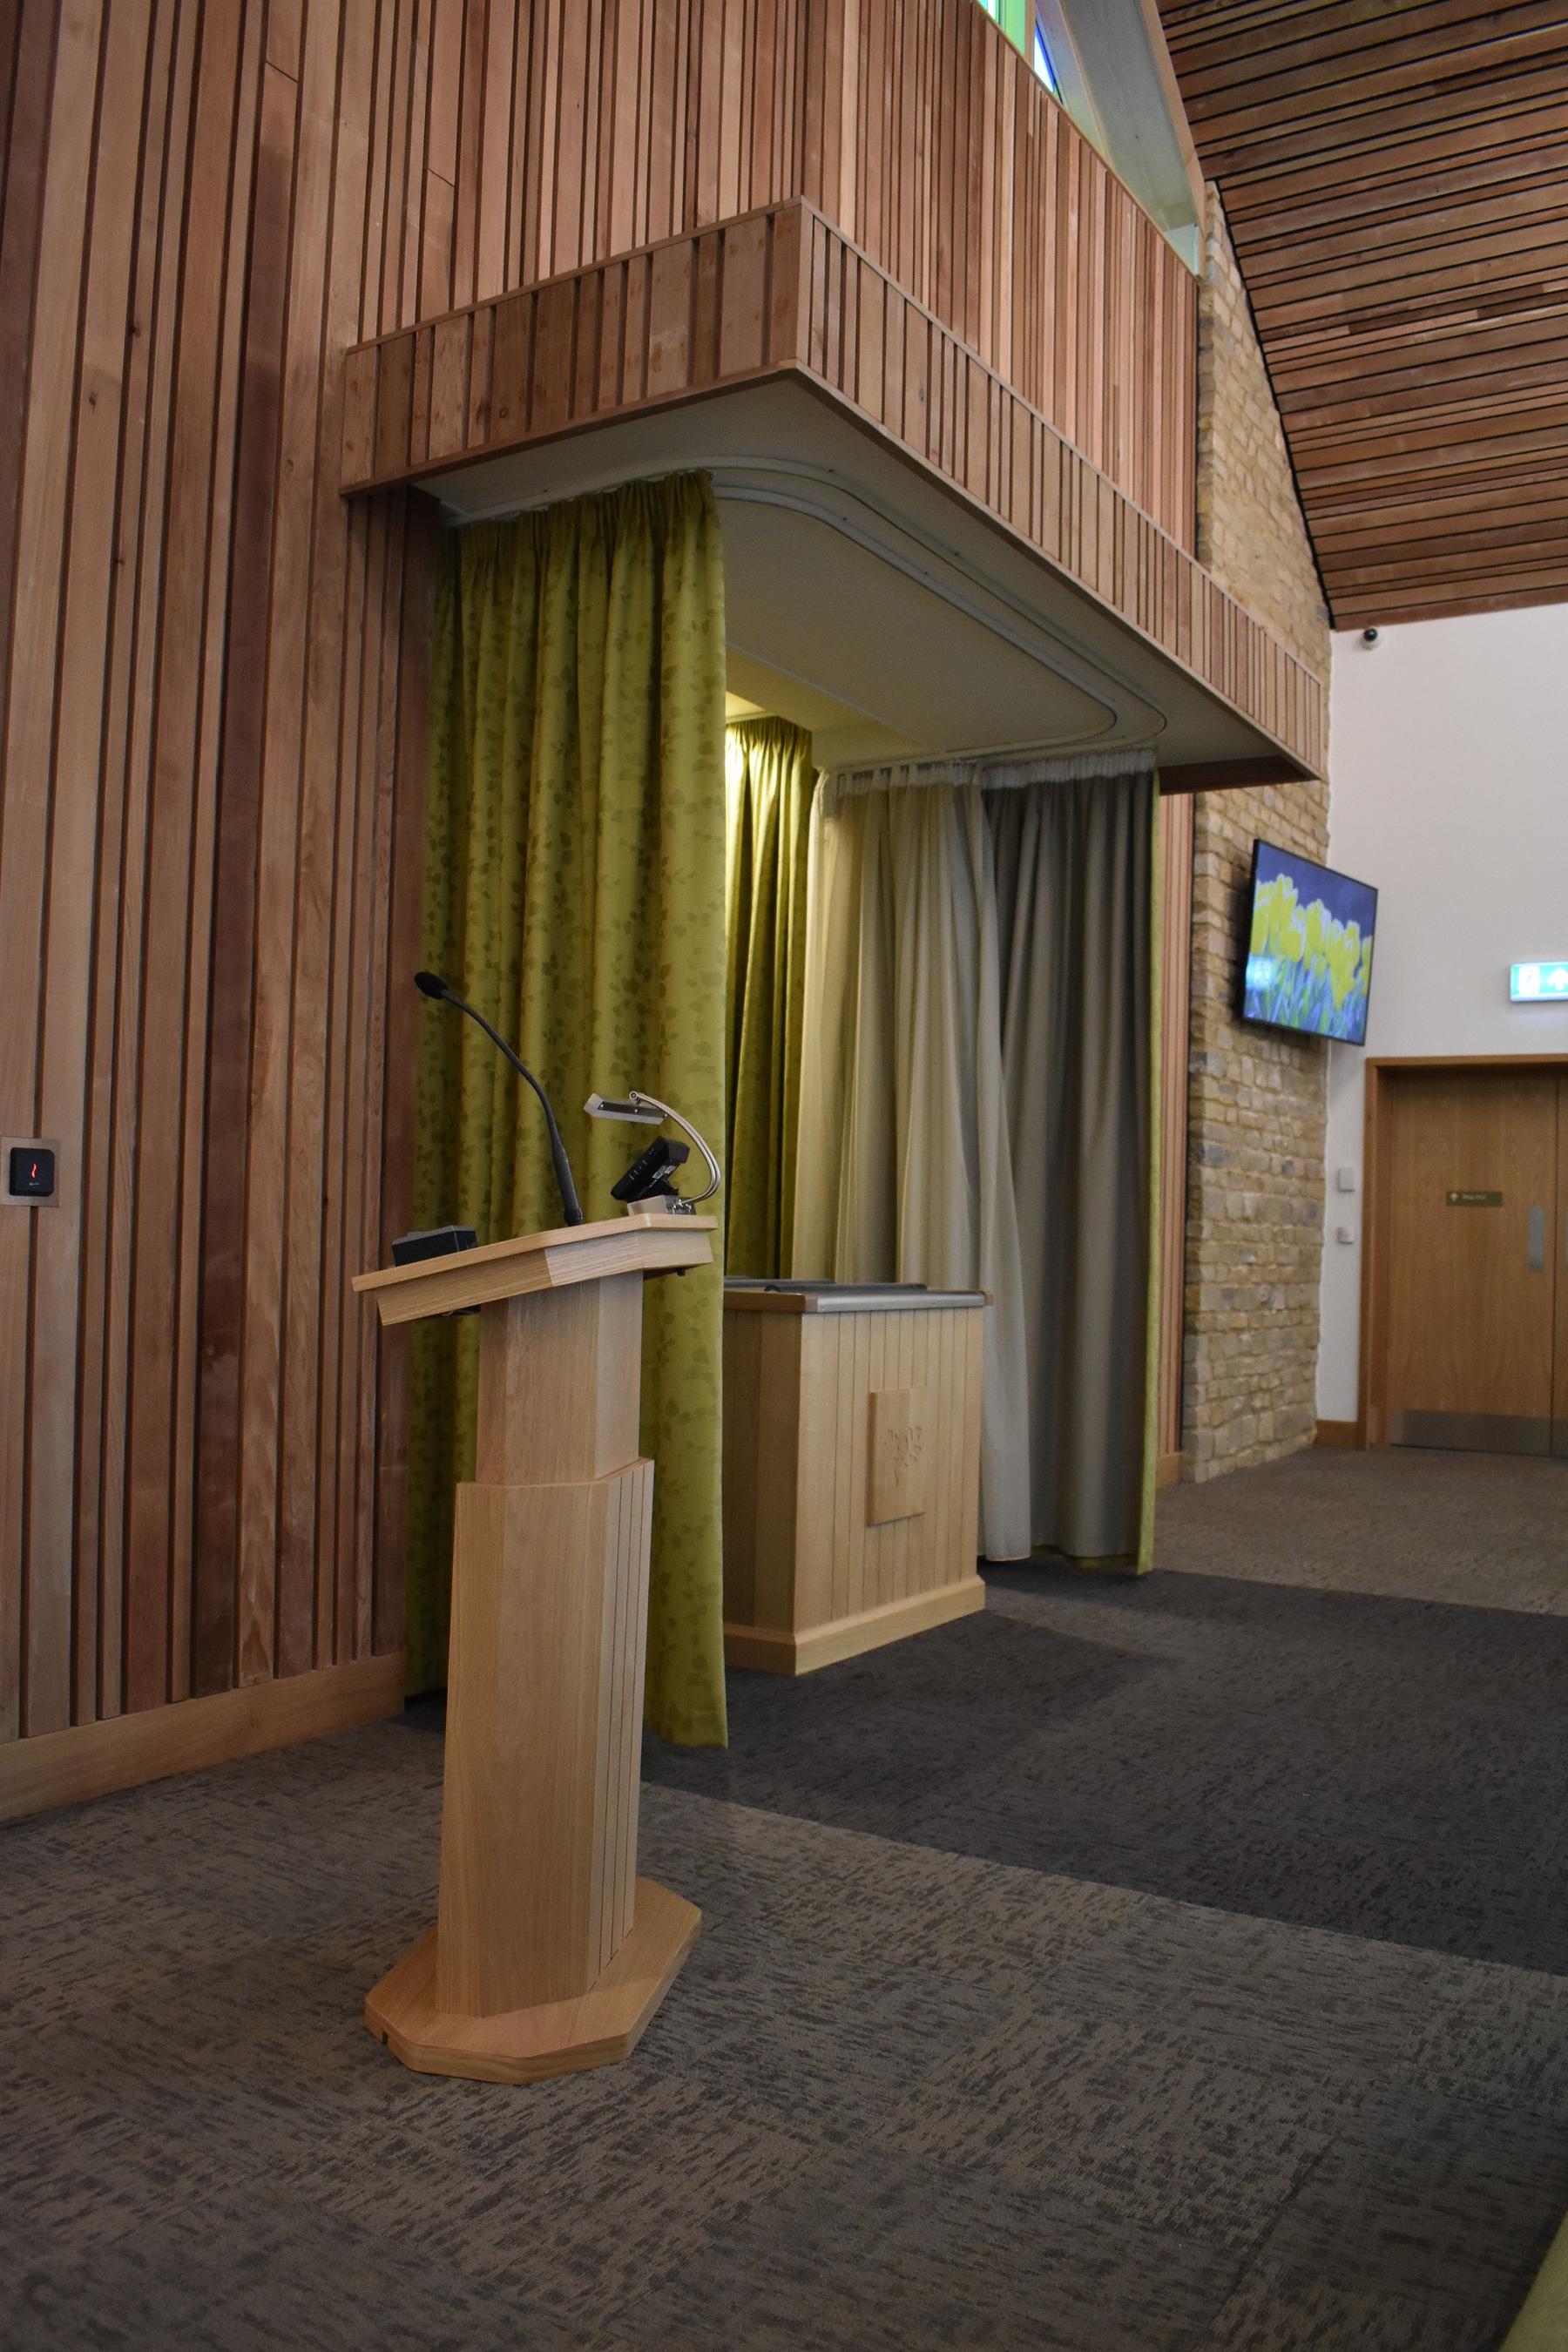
(574, 893)
(771, 779)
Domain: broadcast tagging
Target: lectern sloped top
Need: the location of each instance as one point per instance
(438, 1286)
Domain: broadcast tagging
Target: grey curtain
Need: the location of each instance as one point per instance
(979, 1066)
(1075, 893)
(904, 1173)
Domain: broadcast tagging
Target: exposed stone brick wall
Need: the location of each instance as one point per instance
(1250, 531)
(1257, 1103)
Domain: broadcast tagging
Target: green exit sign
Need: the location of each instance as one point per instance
(1538, 984)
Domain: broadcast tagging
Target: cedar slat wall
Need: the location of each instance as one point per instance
(783, 291)
(586, 129)
(1393, 180)
(201, 866)
(1007, 224)
(206, 877)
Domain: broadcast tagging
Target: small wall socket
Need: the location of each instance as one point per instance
(1345, 1234)
(1344, 1180)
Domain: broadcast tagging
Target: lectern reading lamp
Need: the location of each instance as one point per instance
(548, 1953)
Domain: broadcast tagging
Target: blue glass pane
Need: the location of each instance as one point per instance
(1043, 65)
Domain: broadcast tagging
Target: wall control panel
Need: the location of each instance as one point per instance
(29, 1170)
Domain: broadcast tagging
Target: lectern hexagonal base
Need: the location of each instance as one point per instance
(529, 2045)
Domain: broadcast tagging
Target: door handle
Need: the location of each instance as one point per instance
(1537, 1242)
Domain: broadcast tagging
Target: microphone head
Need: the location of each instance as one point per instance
(429, 983)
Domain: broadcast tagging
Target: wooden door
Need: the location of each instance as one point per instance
(1474, 1242)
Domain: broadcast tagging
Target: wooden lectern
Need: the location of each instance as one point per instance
(548, 1953)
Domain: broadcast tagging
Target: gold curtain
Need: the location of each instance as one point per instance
(770, 781)
(574, 893)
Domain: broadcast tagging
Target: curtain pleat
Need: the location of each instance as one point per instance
(574, 893)
(770, 779)
(1074, 896)
(904, 1170)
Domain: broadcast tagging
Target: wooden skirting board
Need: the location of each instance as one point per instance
(65, 1767)
(1345, 1434)
(802, 1654)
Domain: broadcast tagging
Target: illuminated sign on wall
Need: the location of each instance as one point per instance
(1538, 984)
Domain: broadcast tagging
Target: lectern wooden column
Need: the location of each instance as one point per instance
(548, 1953)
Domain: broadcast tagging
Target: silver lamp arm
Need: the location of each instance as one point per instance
(646, 1110)
(664, 1110)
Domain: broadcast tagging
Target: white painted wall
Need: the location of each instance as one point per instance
(1449, 775)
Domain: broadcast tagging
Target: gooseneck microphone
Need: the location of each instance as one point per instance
(431, 984)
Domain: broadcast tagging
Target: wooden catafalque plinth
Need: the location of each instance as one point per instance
(548, 1953)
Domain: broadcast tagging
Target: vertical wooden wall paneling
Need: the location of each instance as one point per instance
(161, 1386)
(164, 215)
(270, 845)
(206, 772)
(729, 303)
(315, 787)
(416, 182)
(471, 15)
(334, 784)
(218, 1501)
(209, 706)
(99, 1384)
(26, 68)
(581, 130)
(66, 1437)
(31, 1408)
(436, 243)
(399, 23)
(27, 64)
(502, 28)
(205, 943)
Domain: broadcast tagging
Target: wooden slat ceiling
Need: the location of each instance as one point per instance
(1395, 178)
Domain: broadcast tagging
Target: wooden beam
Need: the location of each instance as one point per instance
(1232, 775)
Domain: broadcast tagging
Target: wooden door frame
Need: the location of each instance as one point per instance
(1372, 1410)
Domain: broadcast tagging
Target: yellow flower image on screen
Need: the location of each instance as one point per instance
(1306, 968)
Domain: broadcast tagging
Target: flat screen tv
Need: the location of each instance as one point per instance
(1308, 939)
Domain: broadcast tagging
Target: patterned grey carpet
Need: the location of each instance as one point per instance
(1393, 1769)
(908, 2092)
(1490, 1530)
